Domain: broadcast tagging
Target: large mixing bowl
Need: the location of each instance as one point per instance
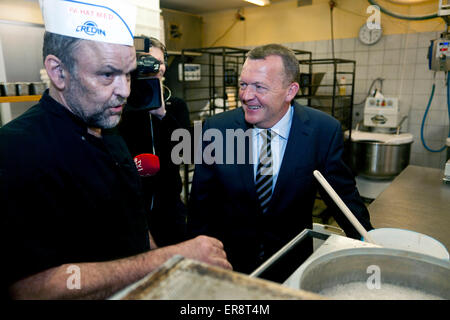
(378, 160)
(396, 268)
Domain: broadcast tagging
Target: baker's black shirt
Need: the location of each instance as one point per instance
(66, 195)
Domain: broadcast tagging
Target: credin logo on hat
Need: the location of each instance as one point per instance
(90, 28)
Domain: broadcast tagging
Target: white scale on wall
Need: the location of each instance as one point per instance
(192, 72)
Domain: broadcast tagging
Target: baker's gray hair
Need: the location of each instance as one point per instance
(63, 47)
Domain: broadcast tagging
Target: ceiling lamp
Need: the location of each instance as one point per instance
(259, 2)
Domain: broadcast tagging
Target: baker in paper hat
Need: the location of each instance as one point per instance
(80, 180)
(88, 54)
(76, 220)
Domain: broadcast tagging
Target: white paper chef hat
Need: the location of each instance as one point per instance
(110, 21)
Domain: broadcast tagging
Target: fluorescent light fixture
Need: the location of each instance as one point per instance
(259, 2)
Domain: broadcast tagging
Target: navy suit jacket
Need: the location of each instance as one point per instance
(223, 200)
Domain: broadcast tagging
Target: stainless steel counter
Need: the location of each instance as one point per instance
(416, 200)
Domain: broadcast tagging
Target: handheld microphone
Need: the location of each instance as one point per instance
(147, 164)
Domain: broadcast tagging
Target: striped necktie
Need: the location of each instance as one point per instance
(264, 172)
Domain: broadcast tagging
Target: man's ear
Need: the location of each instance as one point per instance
(56, 71)
(292, 92)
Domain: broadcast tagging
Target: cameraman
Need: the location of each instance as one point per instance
(148, 130)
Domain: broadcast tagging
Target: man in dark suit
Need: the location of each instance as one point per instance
(254, 213)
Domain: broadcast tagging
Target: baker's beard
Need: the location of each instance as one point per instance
(97, 116)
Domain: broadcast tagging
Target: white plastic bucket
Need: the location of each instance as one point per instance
(409, 240)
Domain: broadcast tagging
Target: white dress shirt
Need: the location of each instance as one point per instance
(278, 143)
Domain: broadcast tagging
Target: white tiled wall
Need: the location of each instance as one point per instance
(401, 60)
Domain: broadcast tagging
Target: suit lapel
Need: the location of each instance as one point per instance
(246, 169)
(297, 141)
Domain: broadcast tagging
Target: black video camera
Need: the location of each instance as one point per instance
(145, 86)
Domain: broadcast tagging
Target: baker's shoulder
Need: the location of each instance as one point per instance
(26, 124)
(25, 135)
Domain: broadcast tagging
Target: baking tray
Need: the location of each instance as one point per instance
(184, 279)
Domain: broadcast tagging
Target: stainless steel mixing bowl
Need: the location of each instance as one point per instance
(378, 160)
(397, 267)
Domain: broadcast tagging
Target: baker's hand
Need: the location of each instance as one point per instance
(205, 249)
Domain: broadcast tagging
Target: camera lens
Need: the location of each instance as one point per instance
(145, 94)
(148, 65)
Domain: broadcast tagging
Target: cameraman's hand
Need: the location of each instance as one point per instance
(160, 112)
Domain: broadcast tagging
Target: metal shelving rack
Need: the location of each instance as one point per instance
(300, 53)
(215, 92)
(326, 96)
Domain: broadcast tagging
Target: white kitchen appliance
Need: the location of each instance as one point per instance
(379, 151)
(381, 113)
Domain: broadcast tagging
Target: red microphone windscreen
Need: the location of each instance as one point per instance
(147, 164)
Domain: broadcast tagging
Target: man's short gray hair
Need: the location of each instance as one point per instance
(288, 57)
(63, 47)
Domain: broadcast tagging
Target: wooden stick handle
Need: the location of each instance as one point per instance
(350, 216)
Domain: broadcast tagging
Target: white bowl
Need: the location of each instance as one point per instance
(409, 240)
